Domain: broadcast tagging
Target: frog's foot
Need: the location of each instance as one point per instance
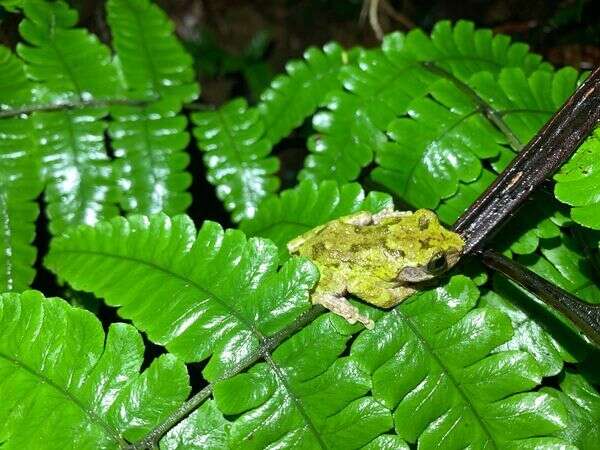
(342, 307)
(387, 213)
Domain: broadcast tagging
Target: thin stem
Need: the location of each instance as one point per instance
(151, 439)
(28, 109)
(490, 113)
(540, 158)
(584, 315)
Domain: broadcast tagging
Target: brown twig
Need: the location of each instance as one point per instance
(585, 316)
(540, 158)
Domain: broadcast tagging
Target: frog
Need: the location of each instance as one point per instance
(381, 258)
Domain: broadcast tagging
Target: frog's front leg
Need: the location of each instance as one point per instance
(342, 307)
(373, 290)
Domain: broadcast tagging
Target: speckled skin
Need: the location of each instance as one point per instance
(376, 257)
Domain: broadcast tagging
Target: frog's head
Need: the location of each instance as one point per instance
(433, 249)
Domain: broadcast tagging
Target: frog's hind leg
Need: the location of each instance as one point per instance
(342, 307)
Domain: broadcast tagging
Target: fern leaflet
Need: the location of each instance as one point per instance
(19, 180)
(78, 390)
(236, 155)
(216, 294)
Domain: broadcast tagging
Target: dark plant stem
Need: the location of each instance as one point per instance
(541, 157)
(150, 441)
(585, 316)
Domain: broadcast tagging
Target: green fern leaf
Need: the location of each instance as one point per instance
(445, 137)
(295, 211)
(149, 145)
(451, 208)
(431, 362)
(70, 65)
(215, 294)
(535, 331)
(153, 61)
(20, 185)
(280, 403)
(563, 263)
(526, 103)
(382, 84)
(583, 404)
(543, 220)
(236, 155)
(577, 183)
(435, 147)
(293, 97)
(204, 429)
(20, 182)
(78, 390)
(149, 141)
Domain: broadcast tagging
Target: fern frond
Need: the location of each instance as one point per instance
(578, 181)
(295, 211)
(530, 324)
(149, 141)
(80, 187)
(20, 179)
(20, 184)
(204, 429)
(149, 146)
(294, 96)
(583, 403)
(445, 137)
(382, 84)
(435, 147)
(432, 364)
(70, 64)
(236, 155)
(526, 103)
(78, 390)
(215, 294)
(153, 61)
(280, 403)
(463, 50)
(564, 264)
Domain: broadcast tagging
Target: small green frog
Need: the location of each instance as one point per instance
(377, 257)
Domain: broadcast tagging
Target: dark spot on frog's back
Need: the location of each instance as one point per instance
(318, 249)
(394, 252)
(423, 223)
(355, 248)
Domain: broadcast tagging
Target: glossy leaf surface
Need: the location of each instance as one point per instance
(432, 363)
(149, 141)
(70, 64)
(304, 396)
(20, 181)
(578, 183)
(294, 96)
(381, 85)
(215, 294)
(61, 378)
(236, 153)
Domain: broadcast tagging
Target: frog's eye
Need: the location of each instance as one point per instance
(437, 264)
